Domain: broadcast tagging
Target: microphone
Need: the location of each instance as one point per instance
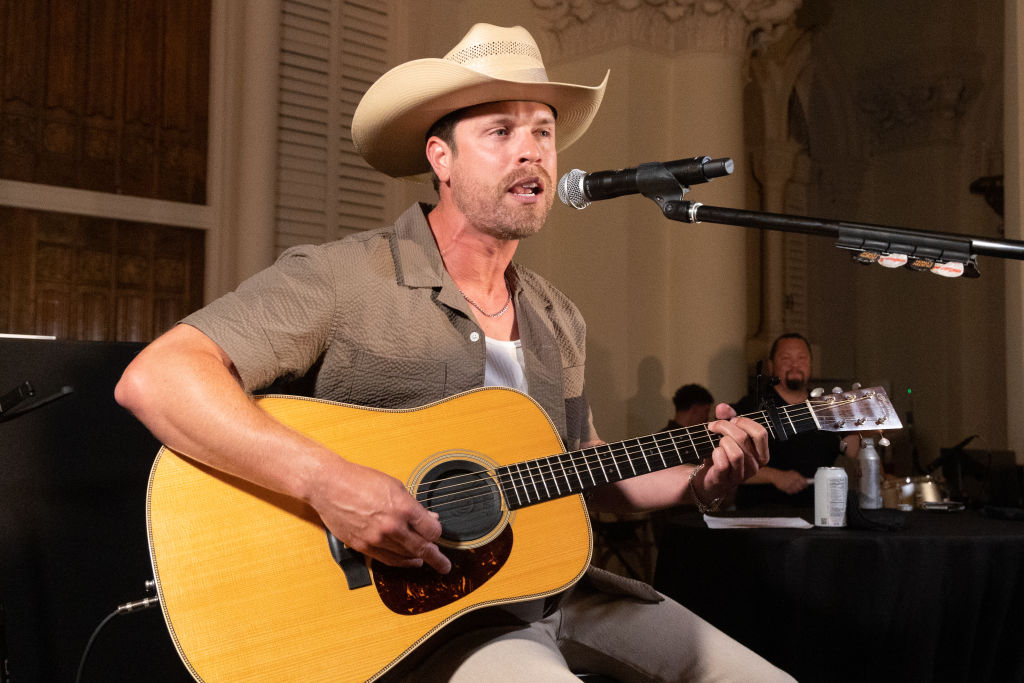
(578, 188)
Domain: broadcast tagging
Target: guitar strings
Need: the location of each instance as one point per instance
(619, 454)
(538, 475)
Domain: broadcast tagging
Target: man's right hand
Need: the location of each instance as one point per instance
(186, 390)
(373, 513)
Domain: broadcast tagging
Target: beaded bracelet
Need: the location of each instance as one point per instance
(704, 508)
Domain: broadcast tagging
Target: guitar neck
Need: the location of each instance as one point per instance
(536, 481)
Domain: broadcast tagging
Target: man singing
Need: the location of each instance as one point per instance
(432, 306)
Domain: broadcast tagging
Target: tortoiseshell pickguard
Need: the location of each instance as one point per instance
(419, 590)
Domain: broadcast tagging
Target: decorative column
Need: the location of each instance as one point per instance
(243, 134)
(679, 69)
(776, 69)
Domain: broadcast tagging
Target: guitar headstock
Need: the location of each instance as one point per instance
(856, 410)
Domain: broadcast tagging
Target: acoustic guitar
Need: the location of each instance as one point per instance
(253, 587)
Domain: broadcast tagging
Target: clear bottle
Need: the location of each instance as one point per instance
(870, 475)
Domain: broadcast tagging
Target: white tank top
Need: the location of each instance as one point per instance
(505, 365)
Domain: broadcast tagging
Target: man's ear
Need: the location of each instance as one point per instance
(439, 155)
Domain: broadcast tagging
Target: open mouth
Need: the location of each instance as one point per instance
(527, 188)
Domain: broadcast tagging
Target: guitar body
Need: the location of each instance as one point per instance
(247, 581)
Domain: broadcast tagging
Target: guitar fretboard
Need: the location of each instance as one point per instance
(536, 481)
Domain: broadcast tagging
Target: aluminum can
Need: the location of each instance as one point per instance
(830, 486)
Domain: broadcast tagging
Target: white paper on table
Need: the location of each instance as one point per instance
(756, 523)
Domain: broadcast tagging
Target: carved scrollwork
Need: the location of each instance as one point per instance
(670, 25)
(914, 104)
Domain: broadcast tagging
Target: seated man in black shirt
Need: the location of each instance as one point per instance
(693, 404)
(789, 473)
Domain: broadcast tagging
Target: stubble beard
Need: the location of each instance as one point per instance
(485, 206)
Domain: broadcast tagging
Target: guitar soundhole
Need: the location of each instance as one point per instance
(465, 496)
(415, 591)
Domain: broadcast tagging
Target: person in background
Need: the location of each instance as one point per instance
(694, 406)
(788, 476)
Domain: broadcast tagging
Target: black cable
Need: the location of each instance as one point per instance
(145, 603)
(88, 644)
(5, 672)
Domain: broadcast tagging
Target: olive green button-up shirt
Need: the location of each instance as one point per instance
(375, 320)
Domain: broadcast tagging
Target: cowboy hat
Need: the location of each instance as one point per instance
(490, 64)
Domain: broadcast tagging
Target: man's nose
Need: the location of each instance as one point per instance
(529, 149)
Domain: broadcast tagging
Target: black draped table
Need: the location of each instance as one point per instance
(939, 599)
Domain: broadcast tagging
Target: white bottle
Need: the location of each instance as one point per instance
(870, 476)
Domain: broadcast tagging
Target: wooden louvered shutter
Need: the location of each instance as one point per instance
(331, 51)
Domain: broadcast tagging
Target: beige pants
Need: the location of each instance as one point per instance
(597, 632)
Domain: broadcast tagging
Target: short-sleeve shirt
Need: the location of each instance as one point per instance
(375, 320)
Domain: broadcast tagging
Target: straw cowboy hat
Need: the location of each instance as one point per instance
(490, 64)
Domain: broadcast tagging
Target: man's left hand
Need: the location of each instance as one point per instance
(741, 452)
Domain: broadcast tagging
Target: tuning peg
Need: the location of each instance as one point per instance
(855, 386)
(884, 441)
(837, 390)
(817, 392)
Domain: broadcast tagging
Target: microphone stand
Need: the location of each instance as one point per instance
(923, 249)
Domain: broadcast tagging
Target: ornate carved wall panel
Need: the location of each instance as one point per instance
(671, 26)
(95, 279)
(106, 95)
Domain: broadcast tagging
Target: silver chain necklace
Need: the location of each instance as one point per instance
(475, 305)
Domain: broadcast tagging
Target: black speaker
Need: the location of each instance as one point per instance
(73, 473)
(1002, 487)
